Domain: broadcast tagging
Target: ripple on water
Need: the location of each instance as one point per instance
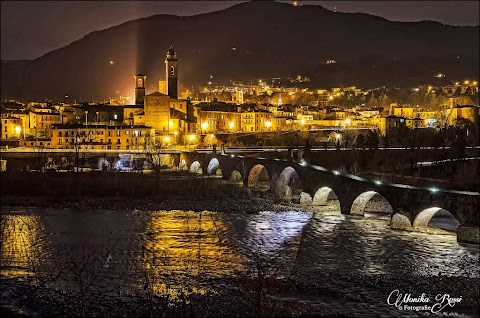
(213, 244)
(368, 246)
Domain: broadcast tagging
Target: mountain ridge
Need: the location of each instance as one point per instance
(245, 41)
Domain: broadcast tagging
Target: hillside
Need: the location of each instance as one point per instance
(250, 40)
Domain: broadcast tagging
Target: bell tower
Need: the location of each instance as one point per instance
(171, 73)
(140, 88)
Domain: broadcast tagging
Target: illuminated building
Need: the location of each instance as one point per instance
(12, 127)
(256, 120)
(101, 136)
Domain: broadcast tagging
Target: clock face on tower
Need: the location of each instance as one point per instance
(172, 71)
(140, 82)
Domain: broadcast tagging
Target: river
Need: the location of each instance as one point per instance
(173, 251)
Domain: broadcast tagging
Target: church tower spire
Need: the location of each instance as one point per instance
(140, 84)
(171, 68)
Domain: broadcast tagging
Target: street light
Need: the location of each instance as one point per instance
(191, 139)
(338, 137)
(18, 129)
(268, 124)
(166, 141)
(231, 125)
(204, 126)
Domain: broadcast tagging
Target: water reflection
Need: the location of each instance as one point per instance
(22, 244)
(181, 248)
(172, 252)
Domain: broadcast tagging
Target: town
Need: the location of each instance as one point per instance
(193, 119)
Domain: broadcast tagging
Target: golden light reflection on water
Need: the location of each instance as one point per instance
(182, 247)
(21, 244)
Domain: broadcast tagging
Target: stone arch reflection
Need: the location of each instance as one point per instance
(195, 167)
(258, 178)
(436, 217)
(288, 185)
(369, 203)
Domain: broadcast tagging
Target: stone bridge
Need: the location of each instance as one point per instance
(409, 207)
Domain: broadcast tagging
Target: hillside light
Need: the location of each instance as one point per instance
(378, 182)
(466, 82)
(433, 190)
(335, 172)
(475, 83)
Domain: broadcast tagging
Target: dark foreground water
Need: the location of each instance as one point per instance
(180, 252)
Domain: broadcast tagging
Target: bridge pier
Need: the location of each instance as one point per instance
(468, 234)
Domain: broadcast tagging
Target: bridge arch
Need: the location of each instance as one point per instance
(236, 177)
(323, 195)
(288, 185)
(424, 218)
(258, 178)
(183, 165)
(213, 167)
(370, 202)
(196, 167)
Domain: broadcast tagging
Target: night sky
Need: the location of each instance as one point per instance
(33, 28)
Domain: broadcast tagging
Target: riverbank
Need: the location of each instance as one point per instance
(229, 205)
